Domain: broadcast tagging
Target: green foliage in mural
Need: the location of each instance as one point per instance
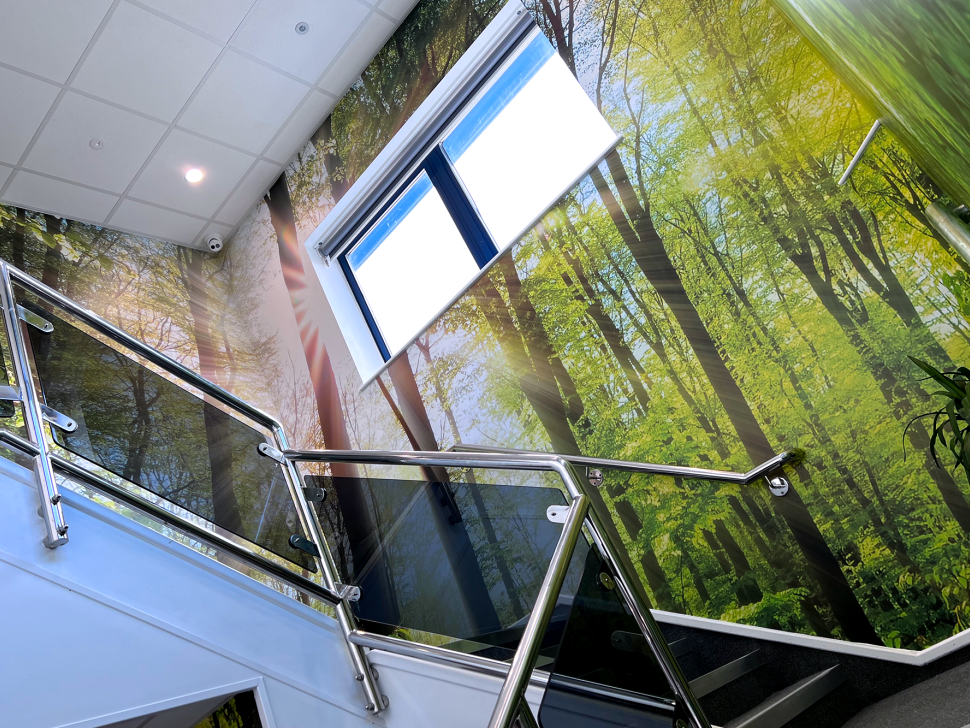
(911, 60)
(709, 296)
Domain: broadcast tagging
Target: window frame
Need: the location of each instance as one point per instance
(416, 149)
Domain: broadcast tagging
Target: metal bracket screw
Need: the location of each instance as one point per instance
(779, 486)
(595, 477)
(606, 581)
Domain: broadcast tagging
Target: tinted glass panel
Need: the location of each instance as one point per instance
(151, 432)
(459, 559)
(604, 674)
(7, 409)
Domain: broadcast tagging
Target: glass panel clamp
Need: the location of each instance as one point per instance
(60, 421)
(32, 319)
(271, 452)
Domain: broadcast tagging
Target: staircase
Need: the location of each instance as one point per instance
(745, 682)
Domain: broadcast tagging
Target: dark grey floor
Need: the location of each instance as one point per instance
(940, 702)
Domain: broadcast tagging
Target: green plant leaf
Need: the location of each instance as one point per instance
(953, 389)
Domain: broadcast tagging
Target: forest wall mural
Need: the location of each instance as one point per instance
(706, 296)
(910, 60)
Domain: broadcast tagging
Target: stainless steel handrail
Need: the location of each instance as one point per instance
(512, 693)
(211, 538)
(47, 485)
(631, 466)
(582, 510)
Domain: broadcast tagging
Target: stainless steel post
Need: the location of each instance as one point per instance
(632, 590)
(345, 617)
(50, 498)
(512, 693)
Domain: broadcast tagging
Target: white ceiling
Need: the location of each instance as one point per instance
(227, 86)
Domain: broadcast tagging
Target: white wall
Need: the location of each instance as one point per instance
(122, 622)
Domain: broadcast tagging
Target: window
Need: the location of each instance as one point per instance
(474, 187)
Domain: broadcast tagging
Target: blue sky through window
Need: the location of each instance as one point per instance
(497, 97)
(391, 219)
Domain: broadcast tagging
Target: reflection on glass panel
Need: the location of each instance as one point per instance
(151, 432)
(459, 559)
(411, 263)
(7, 408)
(604, 673)
(529, 136)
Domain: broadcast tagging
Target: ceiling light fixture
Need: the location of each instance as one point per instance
(194, 175)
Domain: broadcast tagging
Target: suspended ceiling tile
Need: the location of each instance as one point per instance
(44, 194)
(155, 222)
(163, 180)
(146, 63)
(398, 9)
(301, 125)
(26, 103)
(269, 33)
(63, 148)
(346, 69)
(243, 103)
(218, 18)
(260, 178)
(47, 37)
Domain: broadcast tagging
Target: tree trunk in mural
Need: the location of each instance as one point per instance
(452, 531)
(652, 569)
(224, 504)
(539, 371)
(353, 502)
(18, 244)
(518, 609)
(636, 227)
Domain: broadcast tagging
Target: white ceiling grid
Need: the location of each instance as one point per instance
(227, 86)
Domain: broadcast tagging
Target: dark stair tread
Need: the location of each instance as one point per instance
(784, 705)
(725, 674)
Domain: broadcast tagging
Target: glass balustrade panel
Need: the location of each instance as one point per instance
(461, 561)
(604, 674)
(151, 432)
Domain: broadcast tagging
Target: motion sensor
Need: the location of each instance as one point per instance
(214, 242)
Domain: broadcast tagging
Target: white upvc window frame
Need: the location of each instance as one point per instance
(512, 25)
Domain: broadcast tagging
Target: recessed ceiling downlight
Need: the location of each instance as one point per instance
(194, 175)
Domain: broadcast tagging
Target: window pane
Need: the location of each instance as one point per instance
(530, 135)
(411, 264)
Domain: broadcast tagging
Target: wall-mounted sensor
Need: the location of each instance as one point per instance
(214, 242)
(302, 28)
